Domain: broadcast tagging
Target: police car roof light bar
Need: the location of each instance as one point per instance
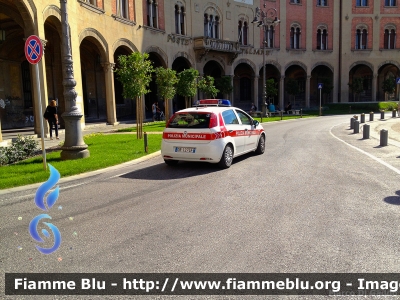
(213, 102)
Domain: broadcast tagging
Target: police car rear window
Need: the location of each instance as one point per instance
(190, 120)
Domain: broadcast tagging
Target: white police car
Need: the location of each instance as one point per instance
(213, 131)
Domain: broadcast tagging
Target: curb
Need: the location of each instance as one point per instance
(82, 175)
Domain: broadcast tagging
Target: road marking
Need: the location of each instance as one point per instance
(366, 153)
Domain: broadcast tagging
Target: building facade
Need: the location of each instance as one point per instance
(316, 41)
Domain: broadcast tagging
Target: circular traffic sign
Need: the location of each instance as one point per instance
(33, 49)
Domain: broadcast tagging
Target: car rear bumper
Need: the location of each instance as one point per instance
(210, 152)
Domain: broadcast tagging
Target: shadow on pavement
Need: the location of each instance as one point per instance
(183, 169)
(395, 200)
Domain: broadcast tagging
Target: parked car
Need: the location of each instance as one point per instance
(212, 131)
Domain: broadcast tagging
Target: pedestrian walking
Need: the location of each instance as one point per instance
(52, 118)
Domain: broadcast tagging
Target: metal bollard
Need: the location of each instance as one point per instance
(382, 115)
(393, 113)
(366, 131)
(145, 142)
(352, 123)
(356, 126)
(301, 112)
(362, 118)
(371, 116)
(384, 137)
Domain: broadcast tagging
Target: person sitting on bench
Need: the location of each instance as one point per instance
(271, 107)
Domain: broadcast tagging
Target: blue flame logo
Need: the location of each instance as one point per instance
(40, 202)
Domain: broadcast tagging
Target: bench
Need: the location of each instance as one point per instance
(294, 112)
(256, 114)
(274, 113)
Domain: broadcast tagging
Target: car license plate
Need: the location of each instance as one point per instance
(185, 149)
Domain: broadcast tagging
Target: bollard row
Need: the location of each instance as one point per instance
(355, 125)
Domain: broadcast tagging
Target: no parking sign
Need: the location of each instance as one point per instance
(34, 53)
(33, 49)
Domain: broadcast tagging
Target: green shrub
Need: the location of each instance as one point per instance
(357, 107)
(20, 149)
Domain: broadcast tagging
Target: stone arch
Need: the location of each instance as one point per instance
(244, 17)
(322, 26)
(295, 24)
(296, 63)
(245, 61)
(185, 55)
(28, 11)
(362, 26)
(361, 62)
(322, 63)
(212, 7)
(19, 17)
(91, 32)
(124, 42)
(388, 62)
(160, 52)
(52, 10)
(390, 26)
(275, 64)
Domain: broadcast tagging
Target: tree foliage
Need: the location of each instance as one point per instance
(166, 80)
(134, 72)
(224, 84)
(389, 85)
(187, 85)
(271, 87)
(206, 85)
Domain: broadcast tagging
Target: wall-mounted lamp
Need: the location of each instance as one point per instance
(2, 35)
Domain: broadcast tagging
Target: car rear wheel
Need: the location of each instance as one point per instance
(227, 157)
(171, 162)
(261, 145)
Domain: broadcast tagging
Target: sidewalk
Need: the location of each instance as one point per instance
(9, 135)
(391, 124)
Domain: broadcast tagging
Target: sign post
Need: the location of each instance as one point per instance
(320, 86)
(34, 53)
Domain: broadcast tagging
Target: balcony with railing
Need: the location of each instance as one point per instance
(203, 45)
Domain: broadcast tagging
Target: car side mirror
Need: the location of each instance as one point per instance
(255, 123)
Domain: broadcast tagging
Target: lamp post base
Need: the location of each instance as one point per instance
(74, 147)
(74, 154)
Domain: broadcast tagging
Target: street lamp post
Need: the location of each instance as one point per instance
(74, 147)
(265, 18)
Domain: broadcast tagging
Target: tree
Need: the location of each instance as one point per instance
(187, 84)
(134, 72)
(292, 88)
(270, 88)
(166, 80)
(389, 85)
(206, 85)
(224, 85)
(357, 87)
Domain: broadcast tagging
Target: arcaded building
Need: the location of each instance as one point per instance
(315, 41)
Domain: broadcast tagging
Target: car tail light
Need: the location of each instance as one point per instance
(213, 121)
